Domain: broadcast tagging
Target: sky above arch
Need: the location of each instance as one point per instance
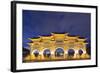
(36, 23)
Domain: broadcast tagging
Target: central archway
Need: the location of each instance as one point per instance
(59, 52)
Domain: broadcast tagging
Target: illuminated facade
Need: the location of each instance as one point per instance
(57, 47)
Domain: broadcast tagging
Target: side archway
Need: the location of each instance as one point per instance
(36, 53)
(47, 53)
(80, 52)
(71, 52)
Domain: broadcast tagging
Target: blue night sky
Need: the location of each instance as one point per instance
(37, 23)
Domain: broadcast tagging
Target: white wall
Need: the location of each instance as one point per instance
(5, 36)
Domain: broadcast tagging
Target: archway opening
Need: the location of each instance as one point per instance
(47, 53)
(36, 53)
(80, 52)
(59, 52)
(71, 52)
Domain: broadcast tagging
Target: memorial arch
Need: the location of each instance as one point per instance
(57, 46)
